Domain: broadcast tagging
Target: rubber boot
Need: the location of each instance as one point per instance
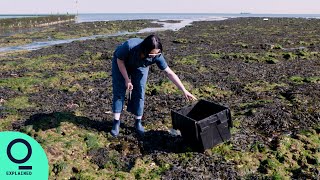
(139, 127)
(115, 128)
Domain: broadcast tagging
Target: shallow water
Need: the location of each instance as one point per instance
(185, 20)
(38, 45)
(165, 26)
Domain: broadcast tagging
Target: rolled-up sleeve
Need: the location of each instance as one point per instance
(161, 62)
(122, 51)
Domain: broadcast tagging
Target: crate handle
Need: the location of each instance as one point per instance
(196, 128)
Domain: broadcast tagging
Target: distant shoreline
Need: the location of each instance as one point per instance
(214, 14)
(34, 21)
(35, 14)
(91, 17)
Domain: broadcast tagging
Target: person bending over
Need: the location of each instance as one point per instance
(130, 66)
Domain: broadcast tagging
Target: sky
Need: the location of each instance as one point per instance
(159, 6)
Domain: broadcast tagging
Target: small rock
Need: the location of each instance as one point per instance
(152, 164)
(174, 132)
(75, 170)
(90, 90)
(2, 101)
(14, 75)
(72, 105)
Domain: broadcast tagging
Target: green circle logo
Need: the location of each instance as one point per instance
(21, 157)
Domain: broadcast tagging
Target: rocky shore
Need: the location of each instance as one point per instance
(267, 72)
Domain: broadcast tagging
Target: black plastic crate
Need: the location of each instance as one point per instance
(203, 124)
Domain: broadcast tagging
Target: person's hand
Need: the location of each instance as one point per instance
(129, 85)
(189, 96)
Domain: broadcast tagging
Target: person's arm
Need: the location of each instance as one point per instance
(175, 79)
(124, 73)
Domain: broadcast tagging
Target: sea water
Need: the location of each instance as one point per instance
(183, 19)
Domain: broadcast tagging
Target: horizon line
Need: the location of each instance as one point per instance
(243, 13)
